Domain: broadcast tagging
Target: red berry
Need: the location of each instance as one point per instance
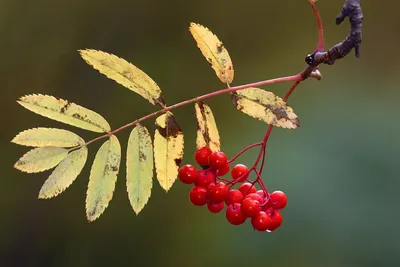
(261, 222)
(218, 192)
(188, 174)
(198, 196)
(247, 188)
(234, 214)
(261, 193)
(234, 196)
(278, 200)
(276, 219)
(215, 207)
(205, 178)
(255, 196)
(250, 207)
(224, 170)
(238, 171)
(201, 155)
(217, 160)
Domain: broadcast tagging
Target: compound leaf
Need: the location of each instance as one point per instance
(266, 107)
(42, 137)
(168, 149)
(214, 52)
(64, 111)
(103, 176)
(207, 131)
(139, 167)
(41, 159)
(65, 173)
(124, 73)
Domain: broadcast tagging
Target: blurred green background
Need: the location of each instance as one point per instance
(340, 169)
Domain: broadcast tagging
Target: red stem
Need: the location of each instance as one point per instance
(320, 44)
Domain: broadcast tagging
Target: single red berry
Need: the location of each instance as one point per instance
(224, 170)
(256, 196)
(247, 188)
(234, 214)
(234, 196)
(261, 222)
(217, 160)
(261, 193)
(198, 196)
(238, 171)
(250, 207)
(278, 200)
(205, 178)
(218, 192)
(201, 155)
(188, 174)
(276, 219)
(215, 207)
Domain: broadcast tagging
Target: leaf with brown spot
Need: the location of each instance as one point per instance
(124, 73)
(42, 137)
(139, 167)
(265, 106)
(103, 176)
(207, 131)
(214, 52)
(168, 149)
(67, 112)
(41, 159)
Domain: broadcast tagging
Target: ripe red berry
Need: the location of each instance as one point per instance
(201, 155)
(205, 178)
(247, 188)
(261, 193)
(261, 222)
(215, 207)
(224, 170)
(234, 214)
(218, 192)
(198, 196)
(188, 174)
(234, 196)
(238, 171)
(278, 200)
(250, 207)
(276, 219)
(217, 160)
(256, 196)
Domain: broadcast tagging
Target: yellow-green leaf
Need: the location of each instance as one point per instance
(64, 111)
(214, 52)
(207, 131)
(41, 159)
(168, 149)
(124, 73)
(139, 167)
(266, 107)
(64, 174)
(103, 176)
(42, 137)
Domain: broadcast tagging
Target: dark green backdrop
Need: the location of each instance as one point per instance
(340, 169)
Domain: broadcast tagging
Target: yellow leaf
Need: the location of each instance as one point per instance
(266, 107)
(124, 73)
(42, 137)
(139, 167)
(64, 174)
(214, 51)
(103, 176)
(41, 159)
(67, 112)
(207, 131)
(168, 149)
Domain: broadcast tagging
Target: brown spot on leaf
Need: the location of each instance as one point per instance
(178, 162)
(172, 129)
(65, 107)
(160, 101)
(280, 113)
(142, 157)
(205, 133)
(220, 47)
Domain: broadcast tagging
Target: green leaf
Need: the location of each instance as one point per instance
(139, 167)
(103, 176)
(42, 137)
(63, 111)
(41, 159)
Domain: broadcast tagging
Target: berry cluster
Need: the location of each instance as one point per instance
(242, 203)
